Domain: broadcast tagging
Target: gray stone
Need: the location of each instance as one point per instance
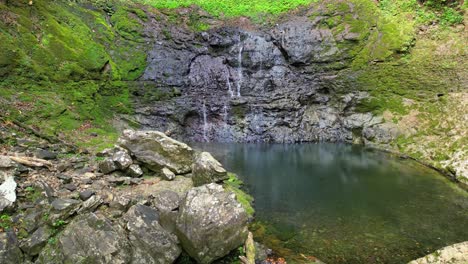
(122, 160)
(6, 162)
(85, 195)
(89, 238)
(65, 178)
(45, 154)
(151, 242)
(167, 174)
(71, 187)
(381, 133)
(107, 166)
(7, 191)
(156, 150)
(134, 171)
(64, 204)
(91, 204)
(207, 169)
(34, 244)
(454, 254)
(9, 249)
(166, 201)
(211, 223)
(121, 202)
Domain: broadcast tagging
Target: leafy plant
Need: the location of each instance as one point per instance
(5, 222)
(58, 223)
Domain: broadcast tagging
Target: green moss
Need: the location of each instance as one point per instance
(234, 184)
(127, 24)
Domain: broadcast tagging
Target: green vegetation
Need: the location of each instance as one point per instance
(234, 184)
(427, 12)
(5, 222)
(58, 223)
(233, 8)
(66, 71)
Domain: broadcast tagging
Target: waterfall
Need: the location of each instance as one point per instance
(225, 114)
(205, 123)
(231, 93)
(239, 71)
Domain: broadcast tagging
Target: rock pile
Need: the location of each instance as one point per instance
(101, 210)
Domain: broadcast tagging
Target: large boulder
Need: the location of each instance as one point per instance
(207, 169)
(156, 150)
(211, 223)
(9, 250)
(90, 238)
(151, 242)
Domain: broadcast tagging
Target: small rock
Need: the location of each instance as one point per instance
(167, 174)
(132, 181)
(134, 171)
(45, 154)
(166, 201)
(121, 203)
(107, 166)
(71, 187)
(207, 169)
(34, 244)
(7, 193)
(63, 166)
(85, 195)
(91, 204)
(63, 204)
(65, 178)
(6, 162)
(116, 180)
(122, 160)
(22, 169)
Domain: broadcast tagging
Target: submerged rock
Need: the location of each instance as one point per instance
(156, 150)
(211, 223)
(150, 241)
(207, 169)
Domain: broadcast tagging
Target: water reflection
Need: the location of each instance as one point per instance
(356, 198)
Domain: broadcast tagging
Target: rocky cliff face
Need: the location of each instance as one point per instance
(275, 84)
(330, 72)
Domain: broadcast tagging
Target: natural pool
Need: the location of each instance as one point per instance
(345, 204)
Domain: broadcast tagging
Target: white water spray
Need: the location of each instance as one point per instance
(239, 71)
(205, 123)
(231, 93)
(225, 114)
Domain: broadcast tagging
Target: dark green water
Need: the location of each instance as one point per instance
(345, 204)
